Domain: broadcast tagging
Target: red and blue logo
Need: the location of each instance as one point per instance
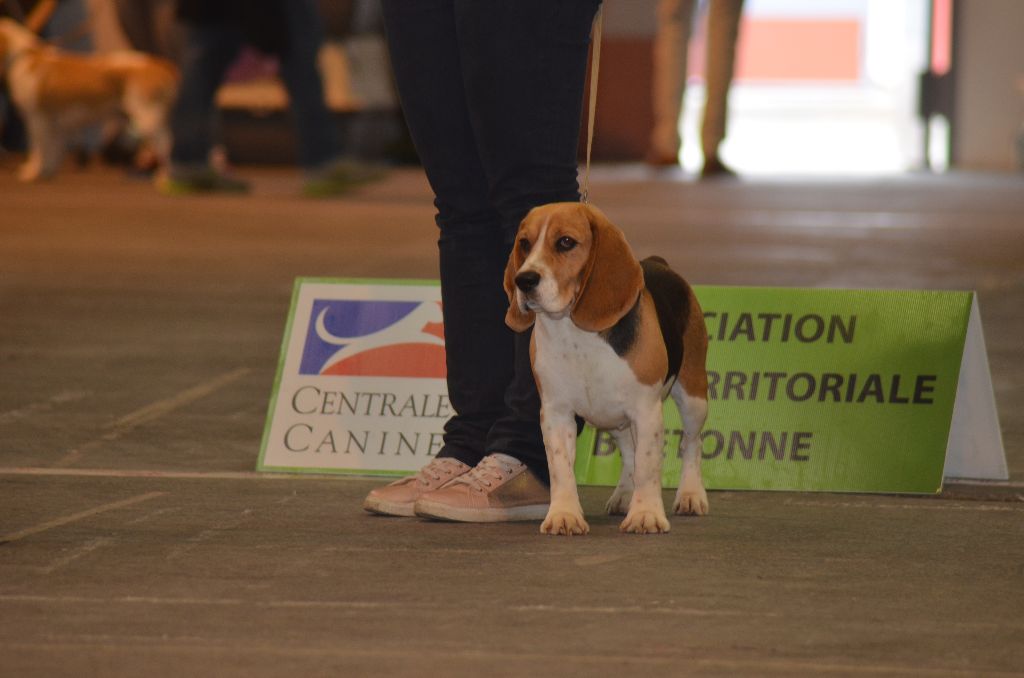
(375, 339)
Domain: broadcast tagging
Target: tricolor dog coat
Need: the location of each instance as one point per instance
(613, 337)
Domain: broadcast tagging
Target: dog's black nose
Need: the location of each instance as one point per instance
(527, 280)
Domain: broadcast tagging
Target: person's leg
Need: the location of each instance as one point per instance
(166, 30)
(135, 17)
(524, 65)
(723, 31)
(318, 143)
(669, 53)
(479, 347)
(207, 53)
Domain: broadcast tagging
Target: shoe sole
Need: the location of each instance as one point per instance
(179, 188)
(382, 507)
(438, 511)
(332, 190)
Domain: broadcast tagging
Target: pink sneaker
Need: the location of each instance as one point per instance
(498, 489)
(399, 497)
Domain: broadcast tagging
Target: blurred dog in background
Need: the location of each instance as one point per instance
(58, 93)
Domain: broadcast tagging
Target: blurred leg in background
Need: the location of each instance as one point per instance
(670, 58)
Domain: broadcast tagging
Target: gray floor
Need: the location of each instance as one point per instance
(137, 350)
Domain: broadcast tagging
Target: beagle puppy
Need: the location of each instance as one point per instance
(612, 338)
(58, 93)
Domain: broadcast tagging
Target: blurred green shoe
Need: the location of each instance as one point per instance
(198, 181)
(340, 176)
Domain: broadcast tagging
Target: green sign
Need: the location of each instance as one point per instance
(831, 390)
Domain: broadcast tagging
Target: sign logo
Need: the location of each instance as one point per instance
(361, 386)
(374, 338)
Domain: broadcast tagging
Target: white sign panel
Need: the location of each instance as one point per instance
(361, 381)
(975, 450)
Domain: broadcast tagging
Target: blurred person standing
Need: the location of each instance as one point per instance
(214, 33)
(150, 26)
(671, 46)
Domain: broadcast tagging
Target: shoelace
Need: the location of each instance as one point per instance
(436, 470)
(490, 470)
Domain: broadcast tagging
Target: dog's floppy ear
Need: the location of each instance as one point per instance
(612, 278)
(516, 318)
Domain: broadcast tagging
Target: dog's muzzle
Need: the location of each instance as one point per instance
(527, 281)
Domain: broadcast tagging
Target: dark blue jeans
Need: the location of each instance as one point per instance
(210, 49)
(492, 93)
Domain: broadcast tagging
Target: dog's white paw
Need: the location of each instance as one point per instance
(618, 503)
(645, 521)
(564, 522)
(691, 503)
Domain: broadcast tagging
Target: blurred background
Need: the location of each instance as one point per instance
(838, 87)
(844, 87)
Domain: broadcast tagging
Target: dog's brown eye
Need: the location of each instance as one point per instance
(524, 245)
(565, 244)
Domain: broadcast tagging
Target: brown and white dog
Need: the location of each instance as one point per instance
(58, 93)
(613, 338)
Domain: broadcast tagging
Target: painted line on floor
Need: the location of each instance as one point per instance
(153, 411)
(678, 659)
(172, 475)
(74, 517)
(47, 405)
(83, 550)
(938, 504)
(433, 606)
(924, 504)
(189, 395)
(373, 605)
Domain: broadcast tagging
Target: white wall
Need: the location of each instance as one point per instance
(989, 104)
(990, 59)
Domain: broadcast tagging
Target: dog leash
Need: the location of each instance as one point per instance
(595, 64)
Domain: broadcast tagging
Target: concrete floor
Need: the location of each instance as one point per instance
(137, 350)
